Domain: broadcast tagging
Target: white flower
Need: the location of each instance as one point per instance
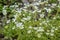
(36, 3)
(47, 21)
(40, 29)
(49, 5)
(34, 11)
(48, 30)
(40, 19)
(58, 6)
(51, 34)
(38, 35)
(25, 7)
(4, 12)
(23, 14)
(45, 8)
(48, 10)
(30, 27)
(19, 24)
(28, 17)
(19, 11)
(8, 21)
(54, 4)
(15, 15)
(54, 18)
(14, 20)
(24, 10)
(44, 22)
(22, 27)
(47, 33)
(29, 31)
(35, 28)
(39, 1)
(5, 7)
(36, 7)
(29, 21)
(13, 27)
(52, 30)
(42, 15)
(16, 6)
(53, 27)
(24, 18)
(56, 28)
(40, 23)
(35, 20)
(39, 11)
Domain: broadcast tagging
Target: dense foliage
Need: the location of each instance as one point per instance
(35, 21)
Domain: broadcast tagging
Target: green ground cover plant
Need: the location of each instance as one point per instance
(35, 21)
